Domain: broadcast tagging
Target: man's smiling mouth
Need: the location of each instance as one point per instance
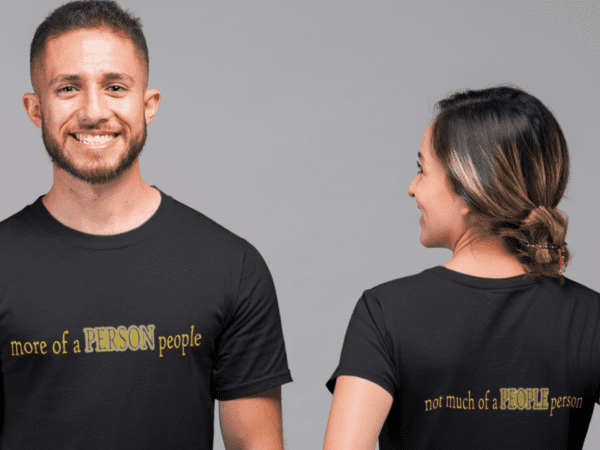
(94, 139)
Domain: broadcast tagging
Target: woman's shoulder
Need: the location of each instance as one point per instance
(403, 285)
(441, 282)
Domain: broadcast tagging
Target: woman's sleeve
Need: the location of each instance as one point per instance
(367, 351)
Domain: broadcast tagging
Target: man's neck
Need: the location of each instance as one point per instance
(114, 208)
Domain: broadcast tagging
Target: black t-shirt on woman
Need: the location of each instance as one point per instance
(478, 363)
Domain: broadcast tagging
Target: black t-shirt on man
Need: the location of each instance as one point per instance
(125, 341)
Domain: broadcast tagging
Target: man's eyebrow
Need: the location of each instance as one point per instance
(118, 76)
(64, 78)
(111, 76)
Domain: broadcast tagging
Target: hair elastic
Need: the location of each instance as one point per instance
(561, 255)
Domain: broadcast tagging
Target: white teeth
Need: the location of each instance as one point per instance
(92, 139)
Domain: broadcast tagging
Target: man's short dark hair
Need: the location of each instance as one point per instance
(86, 14)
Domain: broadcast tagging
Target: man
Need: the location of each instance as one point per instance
(123, 313)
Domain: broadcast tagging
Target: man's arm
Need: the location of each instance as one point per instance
(252, 423)
(358, 410)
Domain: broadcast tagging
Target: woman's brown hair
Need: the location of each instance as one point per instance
(505, 155)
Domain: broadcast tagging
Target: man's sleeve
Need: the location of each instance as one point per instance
(251, 350)
(367, 349)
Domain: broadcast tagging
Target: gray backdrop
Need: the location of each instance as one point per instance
(296, 126)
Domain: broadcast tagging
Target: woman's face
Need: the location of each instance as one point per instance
(443, 212)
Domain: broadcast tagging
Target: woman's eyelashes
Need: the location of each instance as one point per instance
(420, 168)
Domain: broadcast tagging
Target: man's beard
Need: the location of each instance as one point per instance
(94, 176)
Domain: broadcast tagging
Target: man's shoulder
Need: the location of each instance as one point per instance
(186, 220)
(14, 225)
(17, 236)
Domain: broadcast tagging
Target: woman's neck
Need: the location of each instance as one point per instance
(484, 258)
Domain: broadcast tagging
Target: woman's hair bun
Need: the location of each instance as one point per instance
(544, 226)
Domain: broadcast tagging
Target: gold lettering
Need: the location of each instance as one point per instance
(184, 342)
(450, 401)
(513, 398)
(123, 338)
(504, 397)
(64, 342)
(30, 351)
(129, 341)
(544, 392)
(196, 339)
(530, 398)
(162, 344)
(42, 347)
(76, 345)
(112, 332)
(428, 405)
(471, 402)
(90, 338)
(521, 399)
(17, 348)
(101, 345)
(170, 342)
(537, 405)
(147, 337)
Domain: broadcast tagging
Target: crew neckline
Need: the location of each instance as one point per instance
(103, 242)
(484, 283)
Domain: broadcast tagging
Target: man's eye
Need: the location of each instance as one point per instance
(117, 88)
(64, 89)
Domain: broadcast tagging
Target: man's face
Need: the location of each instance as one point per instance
(92, 104)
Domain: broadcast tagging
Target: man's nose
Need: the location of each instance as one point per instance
(94, 110)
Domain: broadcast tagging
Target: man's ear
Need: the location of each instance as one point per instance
(31, 103)
(151, 102)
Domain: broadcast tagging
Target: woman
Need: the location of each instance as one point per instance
(495, 349)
